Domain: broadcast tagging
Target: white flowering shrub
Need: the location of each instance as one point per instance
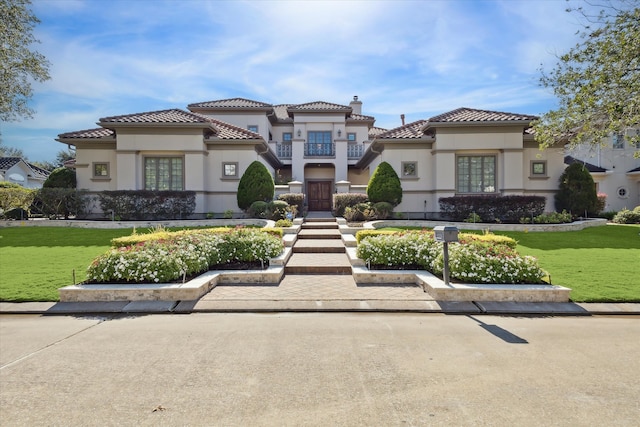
(471, 261)
(183, 254)
(401, 249)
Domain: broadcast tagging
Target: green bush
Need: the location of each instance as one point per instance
(360, 212)
(549, 218)
(256, 184)
(58, 202)
(364, 234)
(284, 223)
(13, 197)
(61, 178)
(278, 209)
(384, 185)
(626, 216)
(258, 209)
(341, 201)
(131, 205)
(577, 193)
(294, 199)
(382, 210)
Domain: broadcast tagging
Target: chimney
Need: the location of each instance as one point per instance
(402, 118)
(356, 105)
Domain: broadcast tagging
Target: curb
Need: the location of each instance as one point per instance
(316, 306)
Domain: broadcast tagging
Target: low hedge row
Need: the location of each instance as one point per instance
(506, 209)
(132, 205)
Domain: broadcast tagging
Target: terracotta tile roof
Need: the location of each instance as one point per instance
(8, 162)
(225, 130)
(320, 106)
(231, 103)
(281, 111)
(88, 134)
(472, 115)
(164, 116)
(375, 131)
(411, 130)
(360, 117)
(568, 160)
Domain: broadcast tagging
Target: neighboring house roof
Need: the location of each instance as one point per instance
(568, 160)
(375, 131)
(466, 115)
(7, 163)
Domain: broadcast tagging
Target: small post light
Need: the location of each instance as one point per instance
(446, 234)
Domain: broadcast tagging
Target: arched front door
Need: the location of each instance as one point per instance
(319, 195)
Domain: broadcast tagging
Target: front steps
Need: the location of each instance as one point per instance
(318, 250)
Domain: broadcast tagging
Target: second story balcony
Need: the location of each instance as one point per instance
(321, 149)
(354, 151)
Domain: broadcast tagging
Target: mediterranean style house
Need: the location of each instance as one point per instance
(17, 171)
(317, 148)
(615, 170)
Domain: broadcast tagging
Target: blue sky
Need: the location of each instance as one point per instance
(418, 58)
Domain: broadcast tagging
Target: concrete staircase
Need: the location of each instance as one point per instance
(319, 249)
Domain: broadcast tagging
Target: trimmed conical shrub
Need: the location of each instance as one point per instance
(384, 185)
(256, 184)
(577, 193)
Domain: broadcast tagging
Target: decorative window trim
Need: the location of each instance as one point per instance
(225, 174)
(351, 137)
(102, 176)
(144, 171)
(617, 141)
(538, 169)
(622, 192)
(495, 173)
(284, 137)
(409, 170)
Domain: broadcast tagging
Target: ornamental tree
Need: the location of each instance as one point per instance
(256, 184)
(577, 192)
(384, 185)
(597, 82)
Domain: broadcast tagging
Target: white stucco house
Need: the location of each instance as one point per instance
(615, 170)
(17, 171)
(317, 148)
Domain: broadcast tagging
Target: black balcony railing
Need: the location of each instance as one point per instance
(283, 151)
(322, 149)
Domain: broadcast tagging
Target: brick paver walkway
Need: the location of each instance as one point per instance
(317, 286)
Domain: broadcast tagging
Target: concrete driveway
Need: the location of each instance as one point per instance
(319, 369)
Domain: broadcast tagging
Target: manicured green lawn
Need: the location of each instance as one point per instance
(36, 261)
(599, 263)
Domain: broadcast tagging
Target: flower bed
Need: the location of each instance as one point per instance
(475, 259)
(180, 255)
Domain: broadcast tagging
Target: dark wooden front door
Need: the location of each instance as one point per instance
(319, 195)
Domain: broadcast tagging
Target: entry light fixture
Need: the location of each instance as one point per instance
(339, 132)
(299, 133)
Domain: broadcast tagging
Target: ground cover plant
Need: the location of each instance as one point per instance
(475, 259)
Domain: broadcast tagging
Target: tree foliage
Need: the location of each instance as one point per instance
(6, 151)
(577, 193)
(597, 82)
(19, 64)
(256, 184)
(384, 185)
(61, 178)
